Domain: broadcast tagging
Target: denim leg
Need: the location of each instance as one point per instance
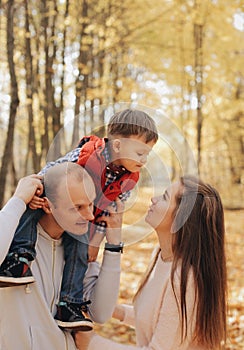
(26, 234)
(76, 255)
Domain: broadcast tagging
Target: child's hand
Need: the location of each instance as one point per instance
(92, 253)
(36, 202)
(114, 222)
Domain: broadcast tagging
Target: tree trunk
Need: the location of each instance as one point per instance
(61, 146)
(44, 104)
(198, 40)
(8, 149)
(81, 81)
(29, 94)
(54, 111)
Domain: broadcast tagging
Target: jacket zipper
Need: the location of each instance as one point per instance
(53, 274)
(54, 291)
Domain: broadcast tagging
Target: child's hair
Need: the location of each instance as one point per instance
(133, 122)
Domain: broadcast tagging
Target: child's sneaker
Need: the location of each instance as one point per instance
(15, 271)
(72, 316)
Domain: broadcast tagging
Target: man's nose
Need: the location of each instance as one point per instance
(88, 214)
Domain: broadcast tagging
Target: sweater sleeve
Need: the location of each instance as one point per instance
(9, 219)
(101, 286)
(167, 333)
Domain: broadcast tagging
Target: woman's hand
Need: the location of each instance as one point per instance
(114, 222)
(82, 339)
(119, 312)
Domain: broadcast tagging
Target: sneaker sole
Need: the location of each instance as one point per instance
(83, 326)
(13, 281)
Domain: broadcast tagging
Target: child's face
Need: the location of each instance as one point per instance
(131, 152)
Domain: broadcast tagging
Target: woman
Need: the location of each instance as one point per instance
(180, 303)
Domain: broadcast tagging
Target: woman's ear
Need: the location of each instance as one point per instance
(46, 206)
(116, 144)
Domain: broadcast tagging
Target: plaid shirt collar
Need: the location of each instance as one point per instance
(112, 169)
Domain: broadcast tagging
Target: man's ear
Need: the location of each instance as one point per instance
(46, 206)
(116, 144)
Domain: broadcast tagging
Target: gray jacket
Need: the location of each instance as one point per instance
(26, 312)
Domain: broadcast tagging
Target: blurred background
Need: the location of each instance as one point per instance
(67, 61)
(66, 66)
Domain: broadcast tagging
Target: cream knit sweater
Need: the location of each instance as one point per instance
(155, 315)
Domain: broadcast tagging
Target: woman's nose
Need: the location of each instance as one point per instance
(154, 200)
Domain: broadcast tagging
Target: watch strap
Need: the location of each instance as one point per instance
(114, 247)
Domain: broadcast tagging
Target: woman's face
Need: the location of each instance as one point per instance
(160, 213)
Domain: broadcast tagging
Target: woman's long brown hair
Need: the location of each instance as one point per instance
(199, 245)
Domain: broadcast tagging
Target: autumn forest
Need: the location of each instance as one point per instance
(67, 66)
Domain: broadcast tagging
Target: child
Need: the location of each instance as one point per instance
(114, 164)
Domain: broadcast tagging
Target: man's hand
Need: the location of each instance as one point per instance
(28, 187)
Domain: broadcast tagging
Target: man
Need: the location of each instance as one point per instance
(26, 319)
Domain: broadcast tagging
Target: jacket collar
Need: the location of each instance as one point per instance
(46, 236)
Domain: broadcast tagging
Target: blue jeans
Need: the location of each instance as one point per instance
(25, 236)
(75, 254)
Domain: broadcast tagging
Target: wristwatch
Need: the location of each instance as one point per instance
(114, 247)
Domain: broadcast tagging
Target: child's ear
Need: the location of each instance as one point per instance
(46, 206)
(116, 145)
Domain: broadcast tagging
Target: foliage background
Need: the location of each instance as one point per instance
(67, 61)
(65, 65)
